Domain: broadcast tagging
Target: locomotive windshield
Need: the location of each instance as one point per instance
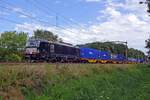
(33, 43)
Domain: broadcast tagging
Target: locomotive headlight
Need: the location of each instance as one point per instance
(35, 51)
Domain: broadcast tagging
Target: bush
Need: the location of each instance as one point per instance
(1, 58)
(13, 58)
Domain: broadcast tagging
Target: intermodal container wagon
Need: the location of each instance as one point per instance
(88, 53)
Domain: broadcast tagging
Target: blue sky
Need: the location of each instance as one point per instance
(78, 10)
(79, 21)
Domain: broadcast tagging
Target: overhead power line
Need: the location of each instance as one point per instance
(9, 20)
(29, 16)
(47, 9)
(33, 18)
(15, 22)
(59, 14)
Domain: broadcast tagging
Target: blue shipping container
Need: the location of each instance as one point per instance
(89, 53)
(141, 60)
(118, 57)
(132, 59)
(103, 55)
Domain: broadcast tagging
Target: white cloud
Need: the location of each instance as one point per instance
(92, 0)
(30, 27)
(17, 9)
(131, 24)
(57, 1)
(23, 16)
(22, 13)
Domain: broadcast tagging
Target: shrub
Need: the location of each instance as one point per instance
(13, 58)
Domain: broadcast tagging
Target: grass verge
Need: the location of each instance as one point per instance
(74, 82)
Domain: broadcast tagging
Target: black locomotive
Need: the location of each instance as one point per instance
(37, 49)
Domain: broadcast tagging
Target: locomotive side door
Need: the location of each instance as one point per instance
(44, 50)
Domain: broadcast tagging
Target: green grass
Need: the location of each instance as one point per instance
(75, 82)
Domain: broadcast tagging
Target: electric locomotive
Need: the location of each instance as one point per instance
(44, 50)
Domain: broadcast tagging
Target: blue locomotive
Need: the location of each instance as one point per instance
(37, 50)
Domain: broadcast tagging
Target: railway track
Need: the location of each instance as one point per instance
(20, 63)
(35, 63)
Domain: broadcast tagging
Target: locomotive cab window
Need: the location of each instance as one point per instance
(32, 43)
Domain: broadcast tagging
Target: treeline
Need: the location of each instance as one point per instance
(12, 45)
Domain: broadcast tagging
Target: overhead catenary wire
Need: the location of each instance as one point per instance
(9, 20)
(56, 13)
(34, 18)
(21, 13)
(59, 14)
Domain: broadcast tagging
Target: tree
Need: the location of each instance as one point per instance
(46, 35)
(12, 43)
(147, 2)
(134, 53)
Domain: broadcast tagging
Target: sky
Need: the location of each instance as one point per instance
(79, 21)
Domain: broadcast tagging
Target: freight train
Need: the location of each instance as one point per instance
(43, 50)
